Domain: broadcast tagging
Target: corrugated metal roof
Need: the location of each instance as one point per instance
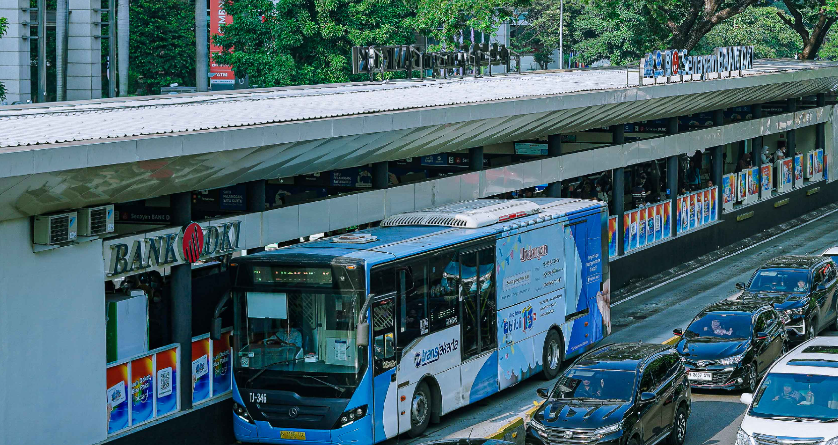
(103, 120)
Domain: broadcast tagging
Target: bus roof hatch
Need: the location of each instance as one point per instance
(467, 215)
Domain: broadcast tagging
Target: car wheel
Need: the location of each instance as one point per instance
(679, 427)
(420, 410)
(552, 355)
(835, 323)
(753, 378)
(633, 441)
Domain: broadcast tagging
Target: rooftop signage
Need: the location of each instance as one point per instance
(676, 62)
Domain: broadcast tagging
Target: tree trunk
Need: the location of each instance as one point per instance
(813, 40)
(702, 16)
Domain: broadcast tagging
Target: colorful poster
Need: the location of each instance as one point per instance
(641, 227)
(742, 186)
(650, 225)
(165, 381)
(684, 213)
(667, 219)
(728, 189)
(765, 176)
(819, 161)
(219, 74)
(788, 176)
(117, 392)
(659, 221)
(142, 390)
(694, 208)
(626, 231)
(705, 215)
(714, 204)
(200, 370)
(810, 164)
(634, 216)
(222, 376)
(798, 170)
(753, 181)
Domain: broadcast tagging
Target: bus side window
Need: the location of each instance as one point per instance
(413, 307)
(488, 309)
(383, 326)
(468, 294)
(442, 294)
(382, 281)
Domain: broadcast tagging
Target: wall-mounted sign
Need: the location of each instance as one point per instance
(674, 62)
(169, 248)
(530, 148)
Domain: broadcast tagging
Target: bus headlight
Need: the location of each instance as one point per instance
(742, 438)
(350, 416)
(242, 413)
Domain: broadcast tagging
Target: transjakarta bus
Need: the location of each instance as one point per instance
(359, 338)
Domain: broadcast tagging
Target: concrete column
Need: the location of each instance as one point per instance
(84, 51)
(820, 99)
(672, 125)
(181, 295)
(554, 148)
(791, 135)
(123, 33)
(201, 46)
(672, 186)
(820, 129)
(757, 142)
(717, 169)
(718, 117)
(14, 52)
(756, 111)
(255, 199)
(475, 158)
(618, 193)
(380, 175)
(618, 135)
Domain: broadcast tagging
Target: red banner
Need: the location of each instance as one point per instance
(219, 74)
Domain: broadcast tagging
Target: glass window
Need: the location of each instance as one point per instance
(819, 277)
(831, 273)
(442, 294)
(598, 384)
(468, 280)
(659, 369)
(383, 281)
(488, 311)
(801, 396)
(383, 324)
(720, 325)
(761, 323)
(780, 280)
(647, 382)
(413, 315)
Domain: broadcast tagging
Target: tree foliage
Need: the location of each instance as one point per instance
(757, 26)
(811, 20)
(162, 44)
(4, 24)
(446, 20)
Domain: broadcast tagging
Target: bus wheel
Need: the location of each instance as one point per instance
(420, 410)
(552, 356)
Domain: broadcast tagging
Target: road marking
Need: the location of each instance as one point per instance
(672, 341)
(720, 259)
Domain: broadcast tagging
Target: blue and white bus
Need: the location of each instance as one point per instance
(359, 338)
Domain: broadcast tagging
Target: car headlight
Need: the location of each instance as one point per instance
(797, 311)
(833, 441)
(350, 416)
(742, 438)
(733, 360)
(242, 413)
(606, 430)
(538, 429)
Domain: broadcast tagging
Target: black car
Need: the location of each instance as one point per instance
(625, 393)
(802, 287)
(729, 344)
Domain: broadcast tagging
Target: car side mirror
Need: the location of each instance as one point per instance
(678, 332)
(215, 329)
(647, 396)
(740, 286)
(761, 336)
(746, 398)
(362, 335)
(544, 393)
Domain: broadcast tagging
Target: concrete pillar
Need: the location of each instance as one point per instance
(201, 46)
(717, 169)
(820, 99)
(618, 135)
(14, 52)
(618, 194)
(181, 295)
(672, 187)
(718, 117)
(475, 158)
(820, 129)
(672, 125)
(757, 142)
(380, 175)
(84, 51)
(554, 148)
(255, 199)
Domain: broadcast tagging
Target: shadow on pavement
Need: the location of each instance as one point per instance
(709, 418)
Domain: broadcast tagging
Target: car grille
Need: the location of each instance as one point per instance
(274, 413)
(559, 436)
(764, 439)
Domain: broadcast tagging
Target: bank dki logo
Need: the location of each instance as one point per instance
(427, 356)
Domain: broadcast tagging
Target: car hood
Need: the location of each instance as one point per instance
(569, 414)
(787, 428)
(696, 349)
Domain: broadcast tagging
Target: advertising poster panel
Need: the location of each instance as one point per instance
(142, 390)
(742, 185)
(200, 370)
(658, 222)
(693, 205)
(683, 213)
(222, 376)
(714, 204)
(219, 74)
(634, 215)
(728, 191)
(765, 181)
(117, 392)
(819, 161)
(810, 164)
(705, 216)
(667, 219)
(650, 224)
(753, 182)
(798, 170)
(612, 236)
(641, 227)
(788, 176)
(626, 231)
(166, 381)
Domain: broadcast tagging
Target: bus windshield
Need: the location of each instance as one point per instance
(302, 339)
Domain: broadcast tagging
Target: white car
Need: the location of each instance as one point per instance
(797, 401)
(832, 252)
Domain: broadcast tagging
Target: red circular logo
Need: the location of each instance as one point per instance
(191, 242)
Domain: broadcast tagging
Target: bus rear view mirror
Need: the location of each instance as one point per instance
(362, 337)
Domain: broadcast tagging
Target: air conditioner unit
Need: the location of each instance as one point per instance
(95, 221)
(55, 229)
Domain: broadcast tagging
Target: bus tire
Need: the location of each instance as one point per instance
(552, 355)
(420, 410)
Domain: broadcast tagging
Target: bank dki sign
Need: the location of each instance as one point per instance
(673, 62)
(188, 245)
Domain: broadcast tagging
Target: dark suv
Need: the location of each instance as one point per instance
(802, 287)
(625, 393)
(729, 344)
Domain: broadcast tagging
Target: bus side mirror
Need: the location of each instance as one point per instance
(362, 335)
(215, 329)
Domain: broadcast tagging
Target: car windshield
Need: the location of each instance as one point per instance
(717, 325)
(599, 384)
(780, 280)
(797, 396)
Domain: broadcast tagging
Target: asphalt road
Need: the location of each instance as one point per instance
(650, 317)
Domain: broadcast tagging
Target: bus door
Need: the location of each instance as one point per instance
(577, 300)
(386, 420)
(479, 372)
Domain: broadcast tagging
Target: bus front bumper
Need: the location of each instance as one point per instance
(356, 433)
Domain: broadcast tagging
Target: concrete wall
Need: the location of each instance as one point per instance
(84, 52)
(52, 341)
(14, 52)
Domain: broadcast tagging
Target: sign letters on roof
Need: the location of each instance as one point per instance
(674, 62)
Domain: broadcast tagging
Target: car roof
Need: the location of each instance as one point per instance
(821, 350)
(626, 356)
(739, 305)
(793, 261)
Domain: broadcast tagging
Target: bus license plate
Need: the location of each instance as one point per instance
(701, 376)
(292, 435)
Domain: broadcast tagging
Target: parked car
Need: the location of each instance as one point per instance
(832, 253)
(797, 401)
(729, 344)
(625, 393)
(802, 287)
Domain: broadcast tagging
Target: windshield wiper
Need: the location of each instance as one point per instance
(255, 376)
(330, 385)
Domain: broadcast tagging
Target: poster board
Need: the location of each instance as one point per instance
(766, 181)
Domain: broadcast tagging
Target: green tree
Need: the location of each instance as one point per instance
(757, 26)
(162, 44)
(4, 24)
(811, 20)
(448, 21)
